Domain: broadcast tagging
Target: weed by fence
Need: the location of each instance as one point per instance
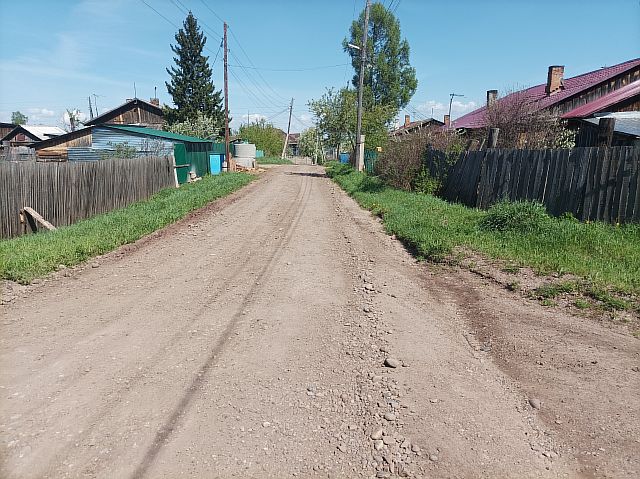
(596, 184)
(64, 193)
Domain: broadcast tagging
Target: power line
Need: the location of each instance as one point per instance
(212, 11)
(252, 64)
(160, 14)
(267, 96)
(323, 67)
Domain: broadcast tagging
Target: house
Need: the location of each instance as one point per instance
(97, 142)
(6, 128)
(26, 135)
(410, 127)
(293, 143)
(133, 112)
(608, 89)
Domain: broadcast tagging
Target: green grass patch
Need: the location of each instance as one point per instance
(604, 255)
(581, 304)
(27, 257)
(553, 290)
(273, 160)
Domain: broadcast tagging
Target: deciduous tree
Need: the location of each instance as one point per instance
(17, 118)
(388, 76)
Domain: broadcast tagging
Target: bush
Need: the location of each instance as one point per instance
(420, 161)
(518, 216)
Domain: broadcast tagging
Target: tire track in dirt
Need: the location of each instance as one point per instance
(298, 207)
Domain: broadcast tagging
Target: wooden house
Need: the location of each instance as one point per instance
(134, 112)
(409, 127)
(608, 89)
(27, 135)
(6, 128)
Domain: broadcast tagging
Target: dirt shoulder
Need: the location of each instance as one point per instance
(250, 341)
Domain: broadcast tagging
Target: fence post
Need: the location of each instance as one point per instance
(492, 141)
(606, 127)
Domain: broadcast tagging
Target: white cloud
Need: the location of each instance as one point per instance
(38, 115)
(439, 109)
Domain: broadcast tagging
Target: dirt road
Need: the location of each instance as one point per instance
(249, 341)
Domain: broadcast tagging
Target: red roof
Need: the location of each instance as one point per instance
(604, 102)
(538, 95)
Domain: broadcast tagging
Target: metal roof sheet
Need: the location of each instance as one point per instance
(141, 130)
(628, 126)
(616, 96)
(538, 96)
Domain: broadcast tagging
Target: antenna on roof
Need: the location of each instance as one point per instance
(135, 94)
(155, 92)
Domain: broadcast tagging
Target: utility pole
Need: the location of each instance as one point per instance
(286, 138)
(363, 61)
(451, 95)
(90, 108)
(227, 154)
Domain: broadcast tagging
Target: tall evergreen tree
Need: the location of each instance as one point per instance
(191, 83)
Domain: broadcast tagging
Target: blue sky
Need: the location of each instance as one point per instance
(55, 53)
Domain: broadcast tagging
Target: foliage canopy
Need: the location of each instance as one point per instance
(388, 76)
(265, 136)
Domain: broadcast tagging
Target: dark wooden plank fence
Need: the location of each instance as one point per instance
(64, 193)
(600, 184)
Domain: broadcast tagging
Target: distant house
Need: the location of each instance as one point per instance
(409, 127)
(133, 112)
(294, 143)
(26, 135)
(98, 142)
(609, 89)
(6, 128)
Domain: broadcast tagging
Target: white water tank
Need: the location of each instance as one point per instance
(246, 155)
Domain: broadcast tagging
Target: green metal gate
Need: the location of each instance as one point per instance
(182, 165)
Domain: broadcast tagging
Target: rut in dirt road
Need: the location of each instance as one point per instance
(249, 340)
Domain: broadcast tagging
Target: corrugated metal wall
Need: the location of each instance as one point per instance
(107, 139)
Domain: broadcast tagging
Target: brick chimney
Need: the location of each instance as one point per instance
(492, 96)
(554, 79)
(447, 121)
(407, 120)
(155, 101)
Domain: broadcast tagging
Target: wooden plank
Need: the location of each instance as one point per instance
(34, 219)
(603, 182)
(625, 177)
(633, 202)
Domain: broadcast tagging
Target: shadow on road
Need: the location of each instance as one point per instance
(313, 175)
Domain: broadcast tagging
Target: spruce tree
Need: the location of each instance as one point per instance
(191, 83)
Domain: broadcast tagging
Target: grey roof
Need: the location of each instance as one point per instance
(627, 122)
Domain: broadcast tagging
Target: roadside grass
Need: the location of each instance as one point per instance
(273, 160)
(606, 257)
(27, 257)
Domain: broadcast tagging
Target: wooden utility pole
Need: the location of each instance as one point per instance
(227, 154)
(363, 61)
(286, 138)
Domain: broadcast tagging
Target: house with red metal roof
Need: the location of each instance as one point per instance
(609, 89)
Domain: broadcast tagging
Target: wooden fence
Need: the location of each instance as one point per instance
(64, 193)
(591, 183)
